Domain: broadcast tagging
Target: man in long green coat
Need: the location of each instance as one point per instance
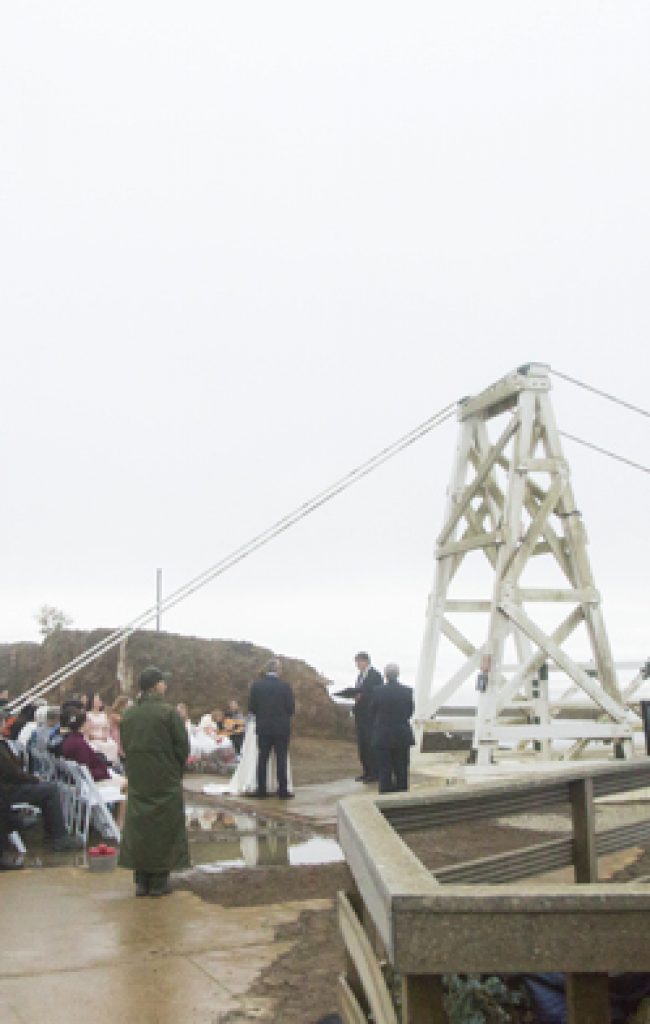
(156, 747)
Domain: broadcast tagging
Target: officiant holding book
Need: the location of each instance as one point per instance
(368, 679)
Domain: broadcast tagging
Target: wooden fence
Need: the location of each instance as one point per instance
(477, 917)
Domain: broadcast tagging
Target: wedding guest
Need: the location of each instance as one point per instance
(115, 713)
(76, 748)
(391, 734)
(98, 729)
(235, 725)
(156, 747)
(19, 786)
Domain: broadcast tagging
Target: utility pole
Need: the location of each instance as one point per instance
(158, 599)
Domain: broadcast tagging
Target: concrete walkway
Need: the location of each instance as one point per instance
(80, 946)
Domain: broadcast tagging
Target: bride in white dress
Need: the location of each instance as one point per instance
(244, 780)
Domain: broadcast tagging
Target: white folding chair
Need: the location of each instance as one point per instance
(96, 803)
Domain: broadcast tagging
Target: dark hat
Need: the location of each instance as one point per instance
(150, 676)
(362, 656)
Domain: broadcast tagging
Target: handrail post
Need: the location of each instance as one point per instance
(423, 999)
(587, 998)
(585, 862)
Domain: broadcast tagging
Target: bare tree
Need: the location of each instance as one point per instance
(51, 620)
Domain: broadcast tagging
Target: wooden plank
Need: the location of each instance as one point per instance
(349, 1005)
(467, 606)
(473, 489)
(443, 574)
(616, 711)
(561, 729)
(458, 640)
(366, 963)
(423, 999)
(584, 595)
(449, 688)
(583, 817)
(534, 465)
(503, 395)
(514, 567)
(587, 997)
(469, 543)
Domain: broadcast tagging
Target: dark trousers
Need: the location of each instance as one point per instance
(44, 795)
(366, 750)
(393, 768)
(265, 744)
(5, 823)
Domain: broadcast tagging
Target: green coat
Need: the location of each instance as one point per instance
(156, 748)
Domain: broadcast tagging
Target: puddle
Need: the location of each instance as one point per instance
(221, 839)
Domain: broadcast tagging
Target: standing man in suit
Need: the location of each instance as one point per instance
(368, 679)
(392, 736)
(271, 701)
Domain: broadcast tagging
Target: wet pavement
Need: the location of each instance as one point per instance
(77, 944)
(80, 944)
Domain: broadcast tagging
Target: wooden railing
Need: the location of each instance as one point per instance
(476, 917)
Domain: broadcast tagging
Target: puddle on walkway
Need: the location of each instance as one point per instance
(222, 839)
(219, 839)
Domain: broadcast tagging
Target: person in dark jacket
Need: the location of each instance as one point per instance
(271, 701)
(75, 747)
(156, 747)
(392, 736)
(368, 679)
(18, 787)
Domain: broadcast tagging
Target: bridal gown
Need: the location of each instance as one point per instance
(244, 780)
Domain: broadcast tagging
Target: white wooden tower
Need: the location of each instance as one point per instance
(510, 505)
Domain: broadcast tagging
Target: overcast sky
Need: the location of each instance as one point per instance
(244, 246)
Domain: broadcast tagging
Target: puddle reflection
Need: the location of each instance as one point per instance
(221, 839)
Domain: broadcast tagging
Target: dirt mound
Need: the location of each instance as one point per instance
(205, 673)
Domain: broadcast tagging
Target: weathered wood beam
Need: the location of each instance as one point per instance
(616, 711)
(362, 954)
(503, 395)
(467, 606)
(473, 489)
(584, 595)
(518, 559)
(469, 543)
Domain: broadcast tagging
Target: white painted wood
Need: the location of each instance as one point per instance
(515, 526)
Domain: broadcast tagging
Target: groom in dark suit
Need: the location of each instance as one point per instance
(271, 701)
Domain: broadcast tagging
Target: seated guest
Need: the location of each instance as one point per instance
(235, 725)
(47, 722)
(18, 786)
(115, 713)
(98, 729)
(24, 717)
(10, 859)
(76, 748)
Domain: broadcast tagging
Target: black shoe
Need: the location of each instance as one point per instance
(10, 861)
(63, 843)
(159, 885)
(359, 778)
(370, 778)
(141, 884)
(286, 796)
(257, 795)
